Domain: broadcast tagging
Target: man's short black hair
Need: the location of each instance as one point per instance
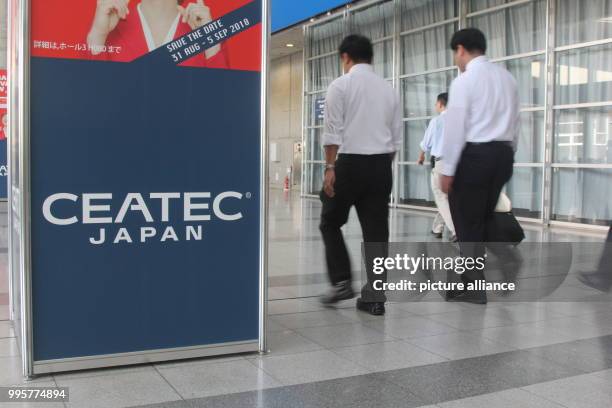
(358, 48)
(472, 39)
(443, 98)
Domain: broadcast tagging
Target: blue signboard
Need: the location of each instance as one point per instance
(3, 169)
(319, 109)
(146, 183)
(3, 143)
(286, 13)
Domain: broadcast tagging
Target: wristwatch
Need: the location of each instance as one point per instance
(330, 167)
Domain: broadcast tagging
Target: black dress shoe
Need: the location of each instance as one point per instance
(451, 294)
(340, 291)
(478, 297)
(373, 308)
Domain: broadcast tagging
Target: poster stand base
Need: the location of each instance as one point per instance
(143, 357)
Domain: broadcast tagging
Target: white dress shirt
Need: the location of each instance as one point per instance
(432, 141)
(363, 114)
(483, 107)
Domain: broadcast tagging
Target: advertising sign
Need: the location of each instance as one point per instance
(146, 183)
(319, 109)
(3, 124)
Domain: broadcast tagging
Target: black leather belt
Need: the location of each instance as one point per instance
(494, 142)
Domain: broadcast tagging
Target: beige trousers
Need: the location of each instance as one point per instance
(444, 215)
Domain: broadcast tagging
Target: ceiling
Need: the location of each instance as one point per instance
(278, 45)
(286, 13)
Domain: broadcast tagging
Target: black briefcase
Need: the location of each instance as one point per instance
(504, 227)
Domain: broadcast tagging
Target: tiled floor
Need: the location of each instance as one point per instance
(425, 354)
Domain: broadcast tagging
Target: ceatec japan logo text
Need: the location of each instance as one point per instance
(99, 209)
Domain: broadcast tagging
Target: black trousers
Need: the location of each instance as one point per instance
(363, 181)
(605, 261)
(482, 172)
(606, 257)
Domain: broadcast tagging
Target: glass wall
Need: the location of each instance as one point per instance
(582, 162)
(516, 34)
(426, 70)
(565, 83)
(322, 67)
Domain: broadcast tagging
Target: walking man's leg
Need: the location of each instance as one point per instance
(601, 279)
(373, 212)
(468, 201)
(437, 227)
(442, 202)
(334, 215)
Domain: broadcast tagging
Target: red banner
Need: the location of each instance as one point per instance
(3, 110)
(123, 30)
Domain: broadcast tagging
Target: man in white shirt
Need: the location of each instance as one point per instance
(363, 130)
(432, 144)
(480, 138)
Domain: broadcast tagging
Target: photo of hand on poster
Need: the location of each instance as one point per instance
(3, 124)
(125, 30)
(131, 28)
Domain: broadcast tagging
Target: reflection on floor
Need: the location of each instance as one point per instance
(432, 354)
(297, 265)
